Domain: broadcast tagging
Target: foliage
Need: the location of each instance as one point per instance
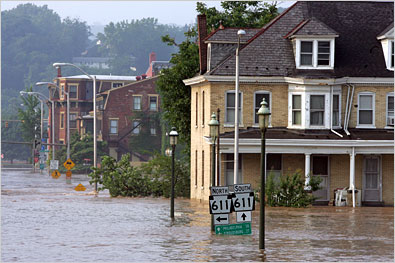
(30, 117)
(80, 148)
(290, 190)
(32, 39)
(176, 98)
(144, 142)
(152, 178)
(252, 14)
(129, 43)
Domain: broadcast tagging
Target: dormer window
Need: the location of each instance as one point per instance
(315, 53)
(387, 43)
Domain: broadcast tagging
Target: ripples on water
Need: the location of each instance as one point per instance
(45, 220)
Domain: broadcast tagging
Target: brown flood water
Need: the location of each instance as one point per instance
(45, 220)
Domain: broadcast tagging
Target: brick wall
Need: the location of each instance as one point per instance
(387, 161)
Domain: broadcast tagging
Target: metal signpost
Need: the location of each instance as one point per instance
(222, 203)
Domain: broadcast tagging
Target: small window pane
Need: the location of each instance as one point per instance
(317, 102)
(306, 60)
(296, 102)
(365, 102)
(231, 100)
(296, 117)
(113, 126)
(136, 127)
(365, 117)
(306, 46)
(137, 103)
(153, 103)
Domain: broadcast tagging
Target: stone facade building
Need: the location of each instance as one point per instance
(326, 70)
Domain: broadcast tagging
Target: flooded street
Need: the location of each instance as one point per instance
(46, 220)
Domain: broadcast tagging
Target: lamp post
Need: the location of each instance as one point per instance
(214, 130)
(263, 115)
(68, 113)
(93, 78)
(52, 118)
(236, 150)
(173, 142)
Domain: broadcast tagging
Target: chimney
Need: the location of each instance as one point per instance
(202, 33)
(152, 57)
(143, 76)
(59, 72)
(138, 78)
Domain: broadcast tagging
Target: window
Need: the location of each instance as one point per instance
(306, 53)
(196, 167)
(153, 103)
(230, 107)
(317, 109)
(153, 128)
(61, 141)
(113, 126)
(315, 53)
(136, 102)
(391, 54)
(62, 91)
(73, 120)
(202, 168)
(390, 109)
(324, 52)
(258, 99)
(136, 127)
(197, 106)
(203, 108)
(117, 84)
(366, 109)
(72, 91)
(336, 110)
(273, 166)
(296, 109)
(62, 120)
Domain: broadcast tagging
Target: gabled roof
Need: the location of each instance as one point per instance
(312, 27)
(230, 35)
(388, 32)
(102, 77)
(358, 53)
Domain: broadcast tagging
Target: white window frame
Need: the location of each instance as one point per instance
(137, 130)
(208, 57)
(367, 93)
(387, 125)
(149, 102)
(61, 96)
(302, 110)
(228, 123)
(116, 127)
(315, 53)
(134, 105)
(116, 83)
(255, 124)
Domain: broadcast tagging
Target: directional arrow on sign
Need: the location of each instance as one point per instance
(243, 216)
(221, 219)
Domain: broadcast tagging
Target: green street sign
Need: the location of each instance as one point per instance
(235, 229)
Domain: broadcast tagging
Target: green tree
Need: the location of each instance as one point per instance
(176, 98)
(130, 43)
(30, 116)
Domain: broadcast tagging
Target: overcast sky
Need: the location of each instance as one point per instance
(103, 12)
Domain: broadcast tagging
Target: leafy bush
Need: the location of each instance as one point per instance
(290, 190)
(152, 178)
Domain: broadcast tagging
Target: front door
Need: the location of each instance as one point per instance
(321, 168)
(371, 191)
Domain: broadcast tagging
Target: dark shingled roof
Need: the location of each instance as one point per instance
(358, 53)
(230, 34)
(284, 133)
(313, 27)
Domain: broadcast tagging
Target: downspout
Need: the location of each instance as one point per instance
(349, 110)
(346, 110)
(331, 114)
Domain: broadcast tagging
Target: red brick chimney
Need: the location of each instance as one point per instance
(152, 57)
(202, 33)
(59, 72)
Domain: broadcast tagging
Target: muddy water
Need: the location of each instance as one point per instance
(45, 220)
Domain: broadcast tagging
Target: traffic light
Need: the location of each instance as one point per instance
(6, 124)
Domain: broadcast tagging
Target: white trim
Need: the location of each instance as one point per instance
(367, 93)
(270, 106)
(389, 94)
(289, 80)
(226, 121)
(208, 56)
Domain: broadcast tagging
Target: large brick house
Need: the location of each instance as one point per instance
(326, 70)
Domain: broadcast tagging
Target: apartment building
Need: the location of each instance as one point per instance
(326, 70)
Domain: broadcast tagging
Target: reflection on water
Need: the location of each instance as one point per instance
(45, 220)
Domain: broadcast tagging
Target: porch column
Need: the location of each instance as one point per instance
(307, 170)
(352, 175)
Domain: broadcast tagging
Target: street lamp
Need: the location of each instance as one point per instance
(263, 115)
(240, 33)
(51, 84)
(93, 78)
(173, 142)
(214, 132)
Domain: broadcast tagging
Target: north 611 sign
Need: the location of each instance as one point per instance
(220, 200)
